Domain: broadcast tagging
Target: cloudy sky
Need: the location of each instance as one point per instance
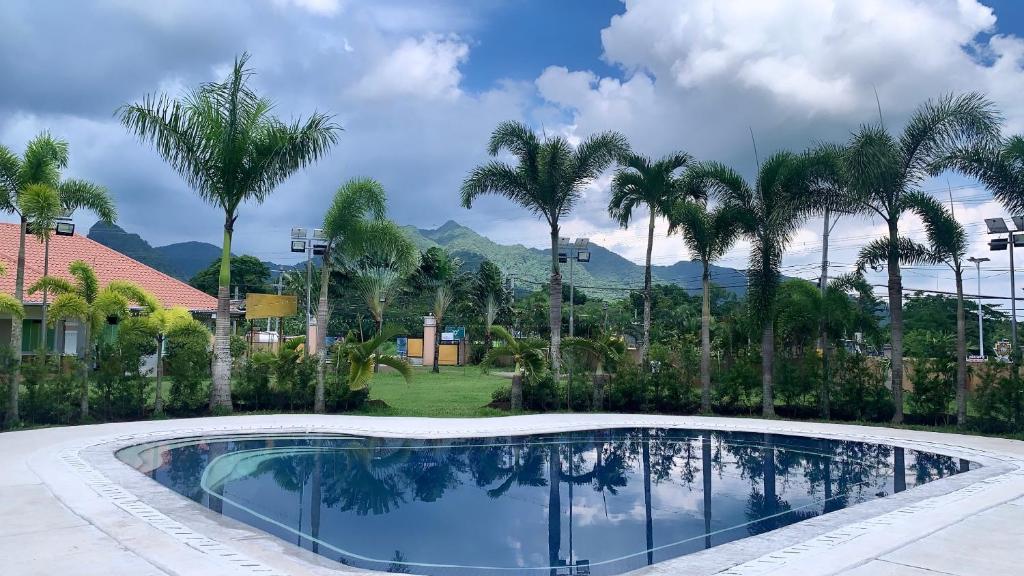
(419, 85)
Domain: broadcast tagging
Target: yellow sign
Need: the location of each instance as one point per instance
(269, 306)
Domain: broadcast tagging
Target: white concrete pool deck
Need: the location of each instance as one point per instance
(67, 506)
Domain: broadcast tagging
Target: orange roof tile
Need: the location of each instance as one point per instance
(108, 263)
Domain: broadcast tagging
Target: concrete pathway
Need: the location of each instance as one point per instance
(67, 506)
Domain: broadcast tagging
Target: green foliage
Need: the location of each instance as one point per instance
(737, 388)
(858, 390)
(120, 390)
(249, 273)
(797, 382)
(51, 395)
(998, 399)
(187, 364)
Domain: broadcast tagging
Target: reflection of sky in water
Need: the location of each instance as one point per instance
(485, 502)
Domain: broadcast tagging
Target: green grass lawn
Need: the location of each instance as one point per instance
(455, 392)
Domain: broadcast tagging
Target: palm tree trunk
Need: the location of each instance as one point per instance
(822, 334)
(896, 325)
(645, 346)
(220, 390)
(554, 508)
(158, 400)
(319, 404)
(516, 400)
(437, 346)
(961, 352)
(555, 307)
(768, 368)
(705, 342)
(645, 457)
(83, 401)
(19, 292)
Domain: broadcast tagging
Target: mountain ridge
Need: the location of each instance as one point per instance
(607, 275)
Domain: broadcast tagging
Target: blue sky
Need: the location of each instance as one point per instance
(419, 85)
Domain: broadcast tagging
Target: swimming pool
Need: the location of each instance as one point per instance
(593, 502)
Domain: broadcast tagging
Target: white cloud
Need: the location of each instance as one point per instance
(423, 67)
(319, 7)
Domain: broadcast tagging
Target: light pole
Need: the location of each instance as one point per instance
(572, 252)
(981, 328)
(998, 226)
(311, 245)
(63, 226)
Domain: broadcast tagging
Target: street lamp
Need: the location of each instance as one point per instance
(572, 251)
(998, 226)
(315, 244)
(981, 328)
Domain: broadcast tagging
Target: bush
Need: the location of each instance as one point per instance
(187, 363)
(8, 364)
(540, 393)
(933, 376)
(295, 380)
(120, 390)
(51, 395)
(858, 391)
(798, 383)
(669, 389)
(738, 387)
(252, 390)
(998, 399)
(340, 398)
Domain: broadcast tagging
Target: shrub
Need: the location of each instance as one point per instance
(858, 390)
(252, 390)
(933, 376)
(998, 399)
(540, 392)
(51, 395)
(187, 363)
(798, 382)
(120, 391)
(738, 387)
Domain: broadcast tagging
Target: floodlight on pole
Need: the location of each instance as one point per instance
(981, 327)
(64, 227)
(998, 226)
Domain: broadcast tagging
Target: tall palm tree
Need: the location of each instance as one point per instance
(384, 258)
(947, 244)
(708, 235)
(547, 179)
(32, 189)
(527, 356)
(356, 203)
(85, 301)
(223, 141)
(776, 204)
(655, 185)
(882, 169)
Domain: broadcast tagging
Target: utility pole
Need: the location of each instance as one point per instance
(574, 252)
(998, 226)
(981, 327)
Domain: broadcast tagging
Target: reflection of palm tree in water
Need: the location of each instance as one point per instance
(554, 507)
(705, 468)
(366, 478)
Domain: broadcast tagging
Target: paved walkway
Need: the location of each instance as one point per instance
(68, 507)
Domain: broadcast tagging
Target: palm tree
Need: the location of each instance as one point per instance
(32, 189)
(606, 351)
(85, 301)
(882, 169)
(223, 141)
(440, 273)
(158, 324)
(527, 356)
(708, 234)
(357, 202)
(999, 166)
(386, 257)
(491, 296)
(547, 179)
(776, 204)
(947, 244)
(639, 181)
(362, 358)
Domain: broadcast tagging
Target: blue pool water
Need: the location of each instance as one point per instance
(597, 502)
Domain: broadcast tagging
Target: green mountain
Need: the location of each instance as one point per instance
(607, 275)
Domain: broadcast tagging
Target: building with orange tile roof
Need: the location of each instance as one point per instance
(109, 265)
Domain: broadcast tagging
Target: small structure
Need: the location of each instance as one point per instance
(453, 349)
